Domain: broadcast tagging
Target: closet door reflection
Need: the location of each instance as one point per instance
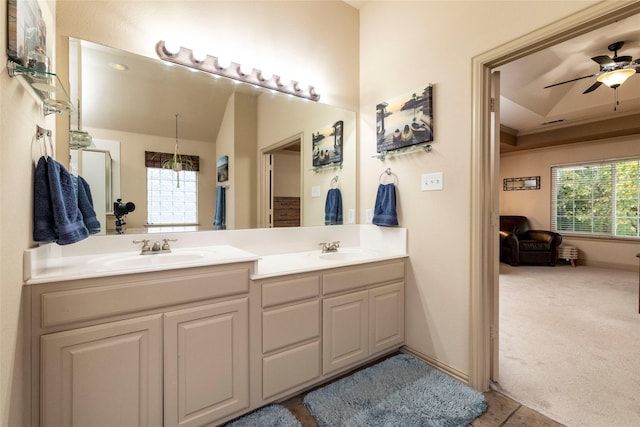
(285, 186)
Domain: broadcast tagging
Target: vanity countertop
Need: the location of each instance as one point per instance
(102, 265)
(302, 262)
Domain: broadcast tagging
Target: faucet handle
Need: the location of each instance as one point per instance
(165, 244)
(145, 244)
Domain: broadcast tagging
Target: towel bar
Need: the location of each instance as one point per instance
(389, 173)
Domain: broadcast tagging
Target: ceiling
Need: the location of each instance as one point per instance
(527, 108)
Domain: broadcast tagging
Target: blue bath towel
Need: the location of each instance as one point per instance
(333, 207)
(44, 227)
(219, 218)
(384, 212)
(64, 204)
(85, 204)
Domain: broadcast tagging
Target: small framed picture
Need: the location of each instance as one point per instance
(327, 144)
(27, 33)
(222, 168)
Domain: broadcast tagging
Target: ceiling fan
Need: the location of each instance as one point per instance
(613, 71)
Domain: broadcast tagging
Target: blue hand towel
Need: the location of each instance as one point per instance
(85, 204)
(219, 218)
(384, 212)
(44, 227)
(333, 207)
(64, 204)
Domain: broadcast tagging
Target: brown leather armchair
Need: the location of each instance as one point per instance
(520, 245)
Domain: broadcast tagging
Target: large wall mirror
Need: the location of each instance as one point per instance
(128, 104)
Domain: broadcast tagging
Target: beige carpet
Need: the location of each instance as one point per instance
(570, 343)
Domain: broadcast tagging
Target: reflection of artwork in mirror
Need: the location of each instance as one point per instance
(405, 120)
(327, 144)
(222, 167)
(27, 34)
(522, 183)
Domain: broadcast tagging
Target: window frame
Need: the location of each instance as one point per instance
(614, 200)
(149, 221)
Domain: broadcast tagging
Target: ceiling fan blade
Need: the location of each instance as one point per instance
(593, 87)
(604, 60)
(572, 80)
(621, 59)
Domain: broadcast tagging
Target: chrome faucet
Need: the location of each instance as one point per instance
(330, 247)
(156, 248)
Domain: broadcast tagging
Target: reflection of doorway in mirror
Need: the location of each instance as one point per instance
(99, 165)
(283, 185)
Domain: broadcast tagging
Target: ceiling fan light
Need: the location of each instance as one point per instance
(615, 78)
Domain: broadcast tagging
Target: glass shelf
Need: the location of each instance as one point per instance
(46, 86)
(328, 166)
(400, 151)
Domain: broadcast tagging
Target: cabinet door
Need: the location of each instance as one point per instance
(345, 331)
(108, 374)
(206, 363)
(386, 317)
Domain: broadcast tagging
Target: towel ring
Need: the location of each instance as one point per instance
(335, 181)
(388, 173)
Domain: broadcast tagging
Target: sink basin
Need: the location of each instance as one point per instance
(153, 260)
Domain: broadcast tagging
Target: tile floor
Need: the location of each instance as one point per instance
(501, 412)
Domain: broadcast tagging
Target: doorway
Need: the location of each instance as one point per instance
(485, 186)
(282, 177)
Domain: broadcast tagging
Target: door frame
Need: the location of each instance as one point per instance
(266, 178)
(484, 287)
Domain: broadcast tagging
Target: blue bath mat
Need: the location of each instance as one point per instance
(400, 391)
(269, 416)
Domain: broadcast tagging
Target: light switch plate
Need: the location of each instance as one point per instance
(315, 191)
(369, 213)
(431, 181)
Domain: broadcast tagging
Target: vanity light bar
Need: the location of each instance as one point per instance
(211, 65)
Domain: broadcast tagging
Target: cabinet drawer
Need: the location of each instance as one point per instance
(285, 370)
(78, 305)
(362, 276)
(285, 291)
(290, 325)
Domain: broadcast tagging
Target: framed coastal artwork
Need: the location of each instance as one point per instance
(405, 120)
(327, 144)
(26, 31)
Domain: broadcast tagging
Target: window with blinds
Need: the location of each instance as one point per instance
(596, 198)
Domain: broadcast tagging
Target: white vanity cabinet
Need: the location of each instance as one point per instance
(110, 372)
(164, 348)
(313, 326)
(290, 338)
(366, 315)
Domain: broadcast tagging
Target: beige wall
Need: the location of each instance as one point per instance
(536, 204)
(405, 45)
(19, 115)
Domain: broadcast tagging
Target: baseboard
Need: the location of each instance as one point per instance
(455, 373)
(611, 265)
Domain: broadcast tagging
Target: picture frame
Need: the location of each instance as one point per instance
(521, 183)
(327, 144)
(222, 169)
(405, 120)
(26, 33)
